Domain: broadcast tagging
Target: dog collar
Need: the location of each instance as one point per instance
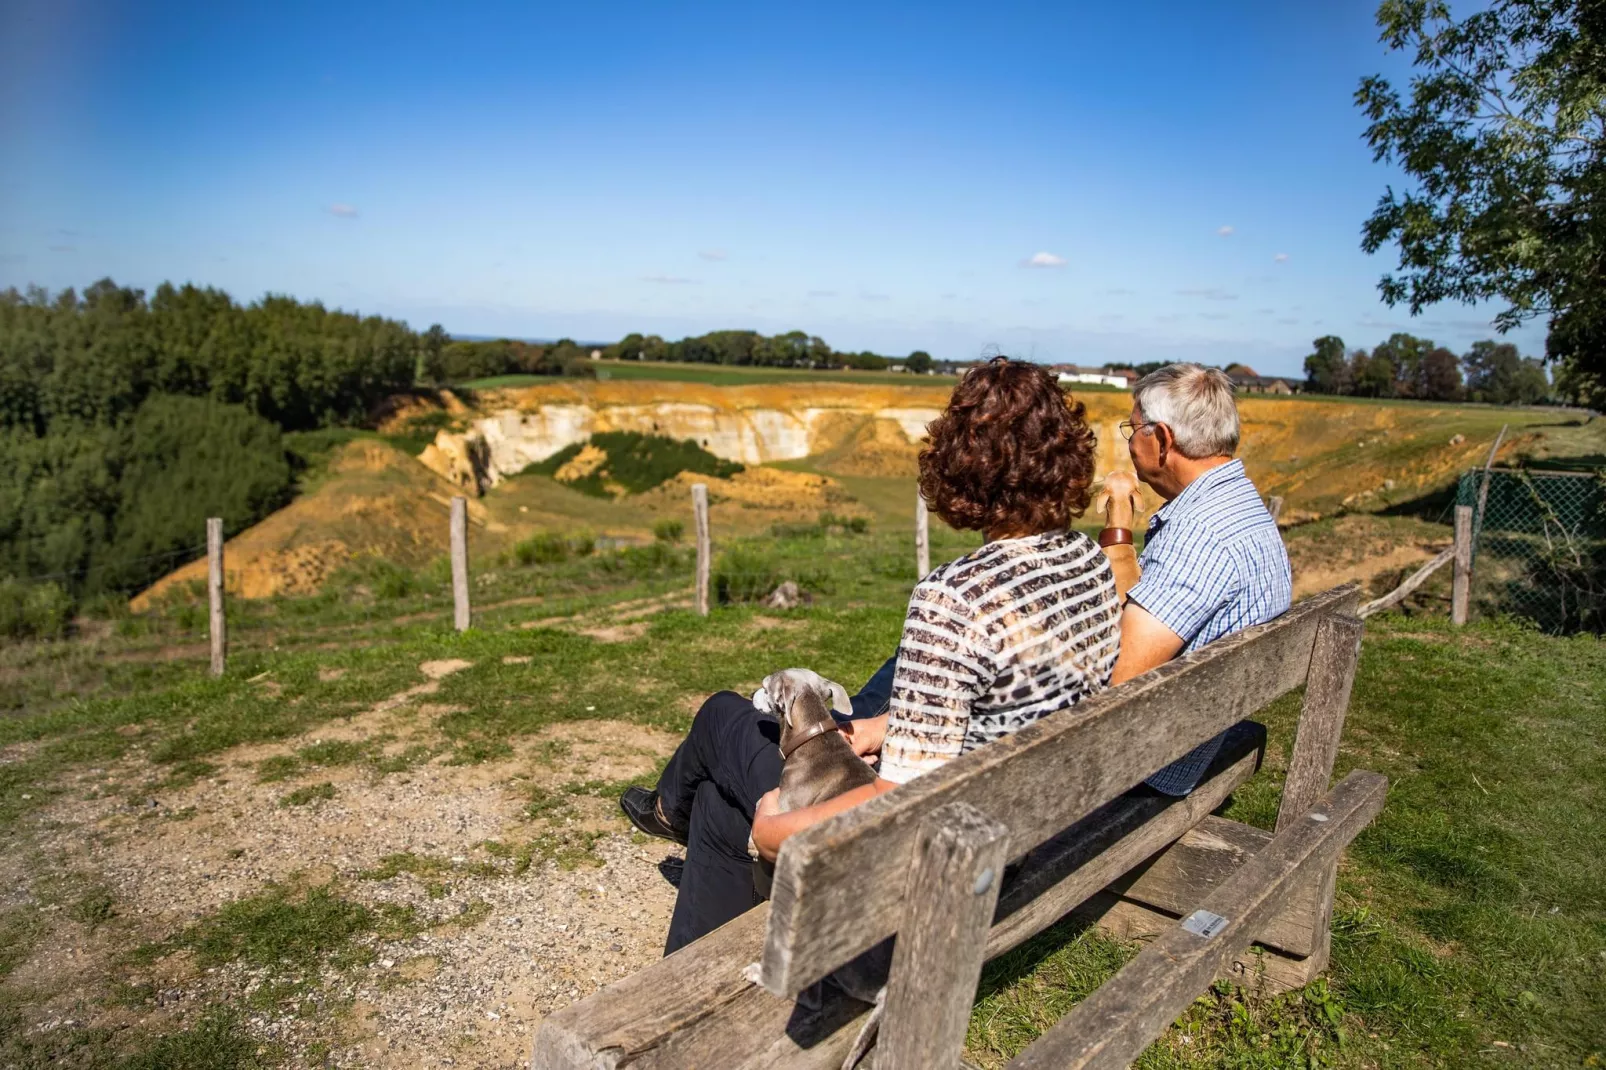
(813, 733)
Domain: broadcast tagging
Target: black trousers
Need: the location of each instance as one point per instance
(727, 762)
(712, 784)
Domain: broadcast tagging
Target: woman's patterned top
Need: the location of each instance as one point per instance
(995, 640)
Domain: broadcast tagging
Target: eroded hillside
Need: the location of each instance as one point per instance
(827, 446)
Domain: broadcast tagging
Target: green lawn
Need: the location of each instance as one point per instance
(1470, 926)
(1471, 920)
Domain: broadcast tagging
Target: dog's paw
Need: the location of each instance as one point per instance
(753, 973)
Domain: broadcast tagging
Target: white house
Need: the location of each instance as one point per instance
(1071, 373)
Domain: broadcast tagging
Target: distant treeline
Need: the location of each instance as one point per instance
(125, 421)
(447, 361)
(1409, 367)
(795, 349)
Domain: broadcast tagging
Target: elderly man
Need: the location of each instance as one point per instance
(1214, 562)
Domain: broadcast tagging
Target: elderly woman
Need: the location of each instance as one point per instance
(1022, 627)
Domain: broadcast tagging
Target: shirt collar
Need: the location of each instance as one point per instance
(1233, 469)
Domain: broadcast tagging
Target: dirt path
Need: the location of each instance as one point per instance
(497, 942)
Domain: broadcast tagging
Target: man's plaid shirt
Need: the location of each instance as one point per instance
(1213, 564)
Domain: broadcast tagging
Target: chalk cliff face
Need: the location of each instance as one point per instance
(527, 426)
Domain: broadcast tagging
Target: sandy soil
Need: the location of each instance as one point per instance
(499, 948)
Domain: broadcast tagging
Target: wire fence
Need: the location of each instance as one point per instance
(547, 576)
(1539, 545)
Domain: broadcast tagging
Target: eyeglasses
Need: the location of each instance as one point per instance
(1128, 428)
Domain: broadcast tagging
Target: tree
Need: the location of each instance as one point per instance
(431, 346)
(1371, 374)
(1498, 374)
(1326, 370)
(1404, 353)
(919, 362)
(1439, 375)
(1504, 134)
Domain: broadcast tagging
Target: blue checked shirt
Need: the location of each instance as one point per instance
(1213, 564)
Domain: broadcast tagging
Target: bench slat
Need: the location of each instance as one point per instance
(1112, 1026)
(837, 885)
(606, 1030)
(1070, 868)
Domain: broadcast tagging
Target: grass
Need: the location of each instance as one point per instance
(715, 375)
(1471, 916)
(1472, 912)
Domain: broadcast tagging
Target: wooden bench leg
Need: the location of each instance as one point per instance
(952, 891)
(1334, 659)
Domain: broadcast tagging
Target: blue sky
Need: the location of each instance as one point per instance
(1193, 175)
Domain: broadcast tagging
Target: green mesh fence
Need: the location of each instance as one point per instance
(1539, 550)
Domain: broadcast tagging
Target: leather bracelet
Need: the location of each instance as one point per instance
(1115, 537)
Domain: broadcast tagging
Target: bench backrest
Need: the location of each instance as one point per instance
(839, 887)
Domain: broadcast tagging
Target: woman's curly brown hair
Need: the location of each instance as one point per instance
(1011, 453)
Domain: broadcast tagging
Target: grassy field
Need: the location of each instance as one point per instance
(1471, 924)
(715, 375)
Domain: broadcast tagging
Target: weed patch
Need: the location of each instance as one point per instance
(309, 794)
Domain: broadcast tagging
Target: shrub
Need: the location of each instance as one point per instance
(33, 610)
(635, 463)
(742, 575)
(384, 579)
(542, 548)
(852, 525)
(668, 530)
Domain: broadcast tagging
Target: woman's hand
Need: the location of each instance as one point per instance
(865, 736)
(764, 832)
(771, 827)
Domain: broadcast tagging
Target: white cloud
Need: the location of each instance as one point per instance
(1225, 232)
(713, 254)
(1281, 258)
(867, 296)
(344, 211)
(669, 280)
(1043, 260)
(1211, 294)
(822, 293)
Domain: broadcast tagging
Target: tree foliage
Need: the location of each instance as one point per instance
(126, 422)
(795, 349)
(1503, 131)
(95, 358)
(1405, 366)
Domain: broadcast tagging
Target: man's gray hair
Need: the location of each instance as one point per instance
(1196, 404)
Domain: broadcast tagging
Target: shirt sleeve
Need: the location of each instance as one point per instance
(945, 664)
(1183, 590)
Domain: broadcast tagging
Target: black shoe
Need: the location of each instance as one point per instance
(641, 807)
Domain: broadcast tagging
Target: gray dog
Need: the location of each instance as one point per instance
(819, 765)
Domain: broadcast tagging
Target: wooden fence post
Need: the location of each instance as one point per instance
(1461, 588)
(936, 962)
(922, 538)
(705, 549)
(216, 625)
(459, 530)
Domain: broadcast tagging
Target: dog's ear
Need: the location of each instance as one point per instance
(786, 712)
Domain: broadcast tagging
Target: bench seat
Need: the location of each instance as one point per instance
(694, 1009)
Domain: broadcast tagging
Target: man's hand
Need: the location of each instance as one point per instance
(865, 736)
(1119, 500)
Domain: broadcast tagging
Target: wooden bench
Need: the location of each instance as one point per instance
(925, 863)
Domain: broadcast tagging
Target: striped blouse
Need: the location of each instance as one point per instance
(996, 639)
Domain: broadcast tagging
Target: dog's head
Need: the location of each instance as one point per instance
(785, 686)
(805, 717)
